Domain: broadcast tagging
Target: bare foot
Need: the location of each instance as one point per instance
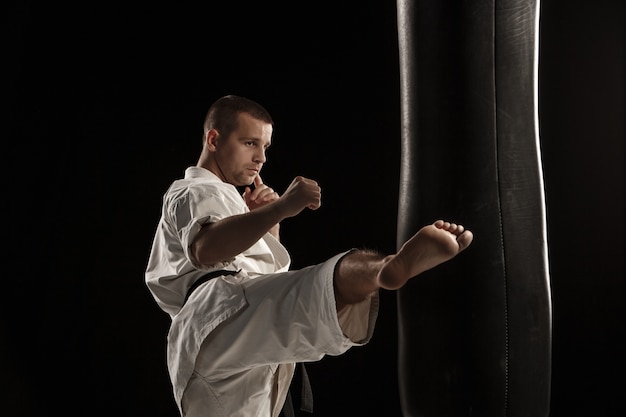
(429, 247)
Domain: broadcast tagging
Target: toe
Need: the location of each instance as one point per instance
(465, 239)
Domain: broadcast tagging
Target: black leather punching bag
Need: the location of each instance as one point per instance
(474, 333)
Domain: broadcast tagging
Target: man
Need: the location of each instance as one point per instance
(240, 318)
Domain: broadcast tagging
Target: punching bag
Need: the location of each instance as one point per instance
(475, 332)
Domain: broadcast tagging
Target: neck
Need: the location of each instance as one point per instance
(213, 165)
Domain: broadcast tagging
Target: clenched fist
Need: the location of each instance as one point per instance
(302, 193)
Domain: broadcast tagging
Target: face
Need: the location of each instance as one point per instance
(237, 159)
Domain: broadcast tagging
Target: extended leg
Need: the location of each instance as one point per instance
(360, 273)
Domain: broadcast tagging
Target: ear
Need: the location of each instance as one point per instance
(210, 139)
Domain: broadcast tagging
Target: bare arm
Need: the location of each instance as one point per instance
(225, 239)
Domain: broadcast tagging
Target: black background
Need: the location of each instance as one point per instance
(104, 107)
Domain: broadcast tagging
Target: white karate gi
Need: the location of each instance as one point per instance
(233, 345)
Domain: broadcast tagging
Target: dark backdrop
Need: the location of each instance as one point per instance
(104, 107)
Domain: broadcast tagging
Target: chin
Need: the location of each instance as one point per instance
(245, 181)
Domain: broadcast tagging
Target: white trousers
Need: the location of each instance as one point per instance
(246, 364)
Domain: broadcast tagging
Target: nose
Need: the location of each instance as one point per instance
(260, 156)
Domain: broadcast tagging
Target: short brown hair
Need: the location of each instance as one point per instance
(222, 114)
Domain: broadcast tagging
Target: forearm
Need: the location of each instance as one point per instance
(227, 238)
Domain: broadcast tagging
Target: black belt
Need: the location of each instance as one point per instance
(306, 396)
(207, 277)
